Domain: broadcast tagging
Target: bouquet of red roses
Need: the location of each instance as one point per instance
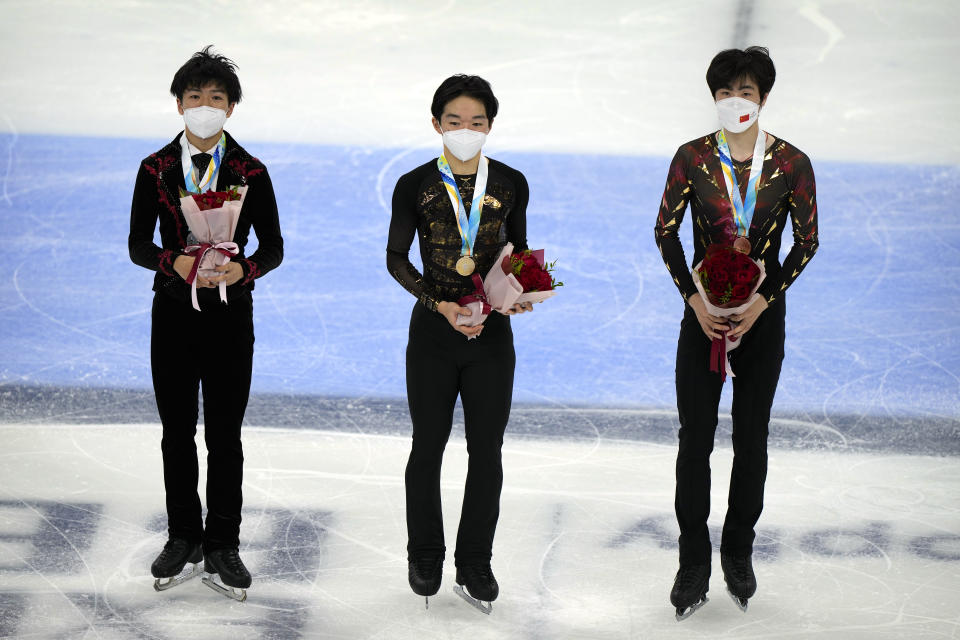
(533, 274)
(728, 276)
(727, 281)
(212, 219)
(514, 278)
(213, 199)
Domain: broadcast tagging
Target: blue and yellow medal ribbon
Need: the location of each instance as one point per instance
(742, 211)
(468, 226)
(196, 183)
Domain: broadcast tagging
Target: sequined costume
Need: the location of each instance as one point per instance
(421, 205)
(786, 188)
(442, 364)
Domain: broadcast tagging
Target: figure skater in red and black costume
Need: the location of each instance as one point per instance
(740, 83)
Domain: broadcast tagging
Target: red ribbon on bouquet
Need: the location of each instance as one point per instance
(197, 252)
(477, 296)
(718, 356)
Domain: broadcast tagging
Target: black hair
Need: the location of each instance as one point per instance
(462, 85)
(733, 64)
(204, 68)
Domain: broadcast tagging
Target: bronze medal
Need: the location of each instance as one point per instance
(466, 265)
(741, 244)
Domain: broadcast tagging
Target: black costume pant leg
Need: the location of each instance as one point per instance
(756, 363)
(758, 371)
(441, 364)
(215, 345)
(176, 382)
(486, 391)
(698, 398)
(225, 380)
(433, 382)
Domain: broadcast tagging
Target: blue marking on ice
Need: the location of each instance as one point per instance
(873, 322)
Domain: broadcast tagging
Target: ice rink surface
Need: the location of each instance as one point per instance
(850, 545)
(860, 536)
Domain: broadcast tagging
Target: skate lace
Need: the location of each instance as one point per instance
(426, 565)
(738, 566)
(231, 558)
(480, 572)
(688, 577)
(173, 548)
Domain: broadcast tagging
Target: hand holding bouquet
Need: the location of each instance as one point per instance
(727, 281)
(514, 278)
(212, 219)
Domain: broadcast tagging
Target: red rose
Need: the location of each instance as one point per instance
(525, 279)
(534, 278)
(740, 292)
(743, 276)
(718, 277)
(544, 281)
(729, 259)
(714, 252)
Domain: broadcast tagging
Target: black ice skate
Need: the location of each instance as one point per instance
(168, 569)
(425, 574)
(690, 588)
(738, 574)
(233, 576)
(481, 587)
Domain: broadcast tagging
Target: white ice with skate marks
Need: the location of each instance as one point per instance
(852, 546)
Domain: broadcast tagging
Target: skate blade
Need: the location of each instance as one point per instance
(480, 605)
(170, 583)
(737, 600)
(234, 593)
(683, 614)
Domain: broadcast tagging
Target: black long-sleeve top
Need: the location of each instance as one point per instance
(156, 196)
(422, 206)
(786, 188)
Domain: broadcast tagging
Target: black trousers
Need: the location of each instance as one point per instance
(212, 348)
(442, 363)
(756, 363)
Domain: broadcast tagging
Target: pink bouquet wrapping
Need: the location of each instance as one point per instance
(212, 219)
(728, 281)
(513, 279)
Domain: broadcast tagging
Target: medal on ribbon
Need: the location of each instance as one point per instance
(467, 225)
(194, 181)
(742, 210)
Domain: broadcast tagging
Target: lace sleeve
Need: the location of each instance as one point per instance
(403, 226)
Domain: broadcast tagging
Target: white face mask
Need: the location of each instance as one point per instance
(737, 114)
(464, 143)
(204, 122)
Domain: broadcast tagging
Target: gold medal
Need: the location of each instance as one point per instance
(742, 245)
(466, 265)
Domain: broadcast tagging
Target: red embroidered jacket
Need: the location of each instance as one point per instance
(786, 188)
(156, 197)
